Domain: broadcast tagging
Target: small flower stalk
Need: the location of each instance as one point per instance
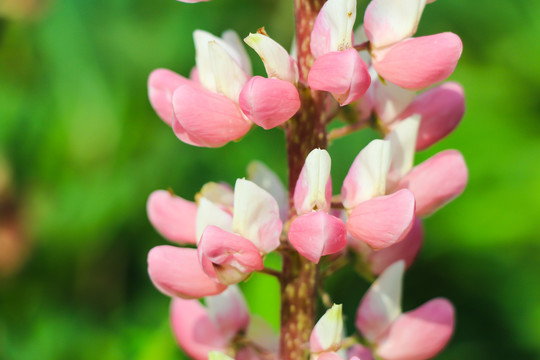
(390, 81)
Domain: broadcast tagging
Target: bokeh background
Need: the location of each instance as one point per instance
(81, 149)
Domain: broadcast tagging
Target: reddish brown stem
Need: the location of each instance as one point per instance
(305, 132)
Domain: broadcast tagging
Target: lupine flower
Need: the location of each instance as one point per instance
(415, 335)
(205, 110)
(231, 243)
(375, 218)
(338, 68)
(232, 255)
(315, 232)
(216, 104)
(434, 182)
(269, 102)
(382, 198)
(412, 63)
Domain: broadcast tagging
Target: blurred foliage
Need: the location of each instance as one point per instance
(84, 149)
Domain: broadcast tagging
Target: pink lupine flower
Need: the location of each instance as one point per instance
(338, 68)
(205, 110)
(200, 330)
(208, 112)
(232, 254)
(434, 182)
(412, 63)
(386, 167)
(269, 102)
(375, 218)
(415, 335)
(315, 232)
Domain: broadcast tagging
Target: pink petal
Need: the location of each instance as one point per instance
(387, 22)
(269, 102)
(161, 86)
(172, 216)
(417, 63)
(176, 272)
(231, 258)
(359, 352)
(384, 220)
(184, 136)
(211, 119)
(342, 73)
(419, 334)
(194, 75)
(441, 109)
(192, 1)
(436, 181)
(194, 330)
(405, 250)
(316, 234)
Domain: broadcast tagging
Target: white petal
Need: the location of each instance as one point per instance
(403, 147)
(277, 62)
(340, 15)
(329, 329)
(382, 303)
(209, 213)
(359, 38)
(391, 100)
(213, 69)
(229, 78)
(390, 21)
(367, 176)
(256, 215)
(316, 174)
(261, 175)
(240, 54)
(218, 193)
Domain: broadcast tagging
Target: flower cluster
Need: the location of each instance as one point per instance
(375, 219)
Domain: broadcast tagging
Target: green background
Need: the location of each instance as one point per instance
(84, 149)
